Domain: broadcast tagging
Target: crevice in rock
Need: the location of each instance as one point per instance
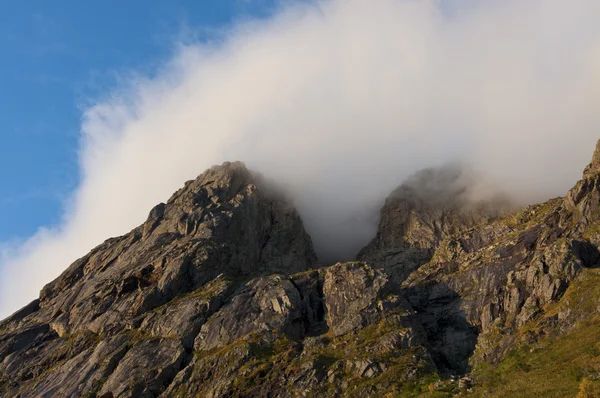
(220, 303)
(321, 308)
(186, 360)
(314, 309)
(587, 253)
(268, 236)
(114, 362)
(451, 339)
(304, 323)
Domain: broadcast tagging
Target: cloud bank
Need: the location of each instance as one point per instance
(340, 101)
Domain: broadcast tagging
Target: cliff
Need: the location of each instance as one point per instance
(220, 294)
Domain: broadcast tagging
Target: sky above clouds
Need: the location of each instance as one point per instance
(107, 111)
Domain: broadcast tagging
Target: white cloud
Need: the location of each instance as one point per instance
(340, 100)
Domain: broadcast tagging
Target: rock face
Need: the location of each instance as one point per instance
(220, 223)
(218, 294)
(594, 167)
(431, 206)
(305, 335)
(160, 282)
(485, 284)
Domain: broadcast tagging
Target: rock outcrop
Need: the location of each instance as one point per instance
(310, 334)
(218, 294)
(495, 278)
(430, 206)
(163, 280)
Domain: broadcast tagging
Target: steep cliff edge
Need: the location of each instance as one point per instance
(429, 207)
(215, 232)
(218, 294)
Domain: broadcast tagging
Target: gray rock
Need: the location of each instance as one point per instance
(352, 291)
(161, 281)
(594, 167)
(215, 296)
(271, 304)
(431, 205)
(146, 369)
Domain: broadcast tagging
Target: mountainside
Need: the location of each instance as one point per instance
(220, 294)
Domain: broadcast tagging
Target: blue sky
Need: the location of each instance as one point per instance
(56, 57)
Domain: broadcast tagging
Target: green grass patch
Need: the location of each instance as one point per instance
(555, 366)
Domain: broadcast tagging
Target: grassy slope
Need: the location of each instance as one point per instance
(555, 366)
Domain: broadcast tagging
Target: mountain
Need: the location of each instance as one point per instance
(220, 294)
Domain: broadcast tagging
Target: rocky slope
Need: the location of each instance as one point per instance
(219, 294)
(430, 206)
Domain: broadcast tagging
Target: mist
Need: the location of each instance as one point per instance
(339, 101)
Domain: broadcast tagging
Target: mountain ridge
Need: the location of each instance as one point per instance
(219, 293)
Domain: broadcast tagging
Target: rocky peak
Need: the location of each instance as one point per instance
(431, 205)
(221, 223)
(503, 276)
(583, 200)
(594, 167)
(218, 184)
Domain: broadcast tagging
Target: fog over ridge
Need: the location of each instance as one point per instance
(339, 101)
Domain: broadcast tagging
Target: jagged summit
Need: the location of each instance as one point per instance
(583, 200)
(430, 206)
(594, 167)
(215, 296)
(446, 186)
(219, 223)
